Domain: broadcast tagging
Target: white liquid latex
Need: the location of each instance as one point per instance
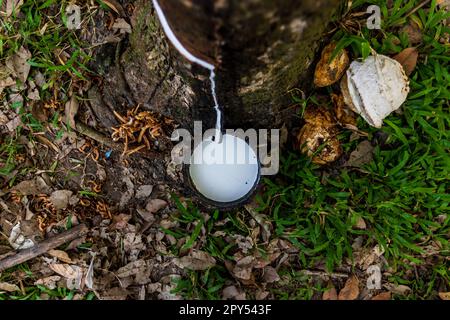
(225, 171)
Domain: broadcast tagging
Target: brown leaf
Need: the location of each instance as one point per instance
(5, 286)
(144, 191)
(444, 295)
(382, 296)
(319, 132)
(350, 290)
(60, 198)
(65, 270)
(363, 154)
(398, 289)
(360, 224)
(19, 63)
(132, 269)
(244, 267)
(261, 295)
(60, 255)
(5, 82)
(71, 110)
(233, 293)
(328, 72)
(408, 59)
(197, 260)
(155, 205)
(122, 25)
(312, 138)
(120, 221)
(72, 273)
(116, 6)
(330, 293)
(32, 187)
(49, 282)
(343, 113)
(115, 294)
(270, 275)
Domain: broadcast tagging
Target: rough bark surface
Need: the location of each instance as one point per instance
(261, 49)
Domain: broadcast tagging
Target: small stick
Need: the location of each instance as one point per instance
(43, 247)
(97, 136)
(324, 274)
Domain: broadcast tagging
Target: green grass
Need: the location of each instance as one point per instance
(399, 194)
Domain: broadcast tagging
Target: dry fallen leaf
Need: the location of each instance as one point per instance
(19, 63)
(120, 221)
(6, 79)
(233, 293)
(350, 290)
(114, 294)
(398, 289)
(444, 295)
(197, 260)
(328, 72)
(319, 133)
(114, 5)
(144, 191)
(155, 205)
(343, 114)
(330, 293)
(5, 286)
(60, 255)
(32, 187)
(132, 269)
(383, 296)
(408, 59)
(363, 154)
(72, 273)
(71, 110)
(360, 224)
(49, 282)
(61, 199)
(122, 25)
(18, 240)
(270, 275)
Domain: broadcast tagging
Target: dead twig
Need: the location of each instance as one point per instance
(97, 136)
(324, 274)
(43, 247)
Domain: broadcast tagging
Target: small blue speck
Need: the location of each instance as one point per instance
(108, 154)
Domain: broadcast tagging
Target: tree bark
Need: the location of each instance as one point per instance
(261, 50)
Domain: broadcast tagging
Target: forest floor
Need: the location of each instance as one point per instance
(373, 225)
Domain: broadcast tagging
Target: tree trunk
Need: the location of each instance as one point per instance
(261, 50)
